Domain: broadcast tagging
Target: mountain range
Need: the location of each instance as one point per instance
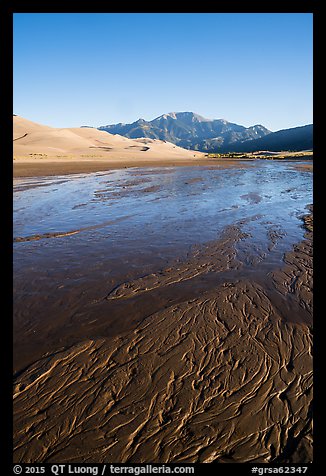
(192, 131)
(294, 139)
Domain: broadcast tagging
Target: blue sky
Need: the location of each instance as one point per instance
(96, 69)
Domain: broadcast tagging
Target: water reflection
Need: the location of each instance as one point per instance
(156, 208)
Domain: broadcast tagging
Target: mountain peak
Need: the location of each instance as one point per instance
(191, 116)
(186, 116)
(189, 130)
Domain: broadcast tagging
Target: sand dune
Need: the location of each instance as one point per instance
(22, 126)
(34, 141)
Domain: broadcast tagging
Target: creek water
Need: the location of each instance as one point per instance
(77, 237)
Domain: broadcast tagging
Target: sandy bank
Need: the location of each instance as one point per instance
(304, 167)
(39, 168)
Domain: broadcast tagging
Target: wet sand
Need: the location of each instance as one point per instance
(220, 378)
(39, 168)
(207, 358)
(304, 166)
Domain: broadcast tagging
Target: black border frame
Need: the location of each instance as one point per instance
(98, 6)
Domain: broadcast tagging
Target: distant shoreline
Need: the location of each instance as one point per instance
(29, 168)
(40, 167)
(40, 150)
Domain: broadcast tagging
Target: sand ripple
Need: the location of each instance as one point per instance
(217, 256)
(220, 377)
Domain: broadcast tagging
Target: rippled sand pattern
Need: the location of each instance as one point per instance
(220, 377)
(296, 277)
(218, 256)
